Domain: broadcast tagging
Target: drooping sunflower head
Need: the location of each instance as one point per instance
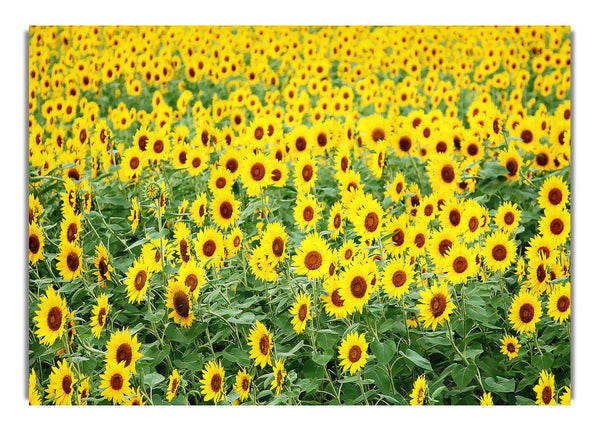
(174, 384)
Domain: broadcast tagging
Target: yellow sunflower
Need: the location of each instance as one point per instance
(210, 247)
(499, 251)
(397, 277)
(545, 392)
(261, 342)
(135, 399)
(417, 396)
(512, 161)
(353, 352)
(69, 261)
(301, 312)
(306, 212)
(439, 244)
(356, 285)
(221, 180)
(507, 217)
(305, 174)
(51, 318)
(70, 228)
(225, 209)
(115, 382)
(102, 265)
(34, 394)
(399, 226)
(565, 398)
(123, 347)
(274, 242)
(213, 382)
(193, 276)
(255, 172)
(443, 173)
(368, 221)
(199, 209)
(525, 311)
(99, 314)
(279, 374)
(556, 224)
(174, 384)
(559, 303)
(138, 279)
(234, 241)
(435, 305)
(314, 257)
(510, 346)
(178, 299)
(242, 384)
(486, 399)
(333, 302)
(396, 188)
(36, 243)
(336, 220)
(61, 384)
(460, 263)
(134, 214)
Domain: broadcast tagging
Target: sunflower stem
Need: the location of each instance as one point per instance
(405, 320)
(362, 389)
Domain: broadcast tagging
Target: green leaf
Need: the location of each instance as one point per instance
(462, 376)
(500, 384)
(384, 352)
(321, 358)
(416, 359)
(290, 352)
(493, 170)
(153, 379)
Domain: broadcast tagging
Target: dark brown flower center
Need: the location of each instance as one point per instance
(526, 313)
(276, 174)
(215, 382)
(542, 159)
(472, 149)
(181, 303)
(454, 217)
(437, 304)
(398, 238)
(555, 196)
(557, 226)
(209, 248)
(354, 353)
(72, 261)
(313, 260)
(336, 298)
(259, 132)
(245, 384)
(101, 315)
(277, 246)
(344, 163)
(378, 134)
(307, 172)
(300, 143)
(257, 171)
(513, 166)
(399, 278)
(509, 218)
(447, 174)
(527, 136)
(420, 240)
(337, 221)
(302, 311)
(563, 303)
(183, 250)
(221, 182)
(134, 163)
(140, 280)
(67, 384)
(158, 146)
(124, 354)
(405, 143)
(547, 394)
(72, 232)
(196, 162)
(34, 243)
(54, 319)
(444, 246)
(473, 223)
(460, 264)
(308, 213)
(116, 382)
(371, 222)
(231, 165)
(102, 267)
(264, 345)
(226, 210)
(142, 142)
(499, 252)
(510, 347)
(358, 287)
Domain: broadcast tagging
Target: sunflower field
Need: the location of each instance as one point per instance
(299, 215)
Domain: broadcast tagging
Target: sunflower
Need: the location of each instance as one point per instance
(274, 242)
(336, 220)
(473, 215)
(198, 209)
(174, 384)
(279, 173)
(301, 312)
(510, 346)
(61, 384)
(102, 265)
(255, 173)
(225, 209)
(541, 247)
(135, 399)
(396, 188)
(507, 217)
(242, 384)
(159, 145)
(417, 239)
(460, 264)
(556, 225)
(134, 214)
(356, 286)
(137, 281)
(115, 382)
(178, 299)
(512, 161)
(417, 396)
(452, 215)
(132, 164)
(69, 261)
(234, 242)
(70, 228)
(353, 352)
(99, 313)
(499, 252)
(36, 243)
(278, 376)
(123, 347)
(440, 242)
(221, 180)
(368, 220)
(306, 212)
(347, 252)
(84, 390)
(298, 140)
(399, 226)
(34, 394)
(51, 317)
(333, 303)
(397, 277)
(443, 173)
(305, 174)
(525, 311)
(314, 257)
(261, 342)
(559, 303)
(35, 209)
(565, 398)
(193, 276)
(210, 246)
(213, 382)
(435, 305)
(486, 399)
(544, 390)
(538, 275)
